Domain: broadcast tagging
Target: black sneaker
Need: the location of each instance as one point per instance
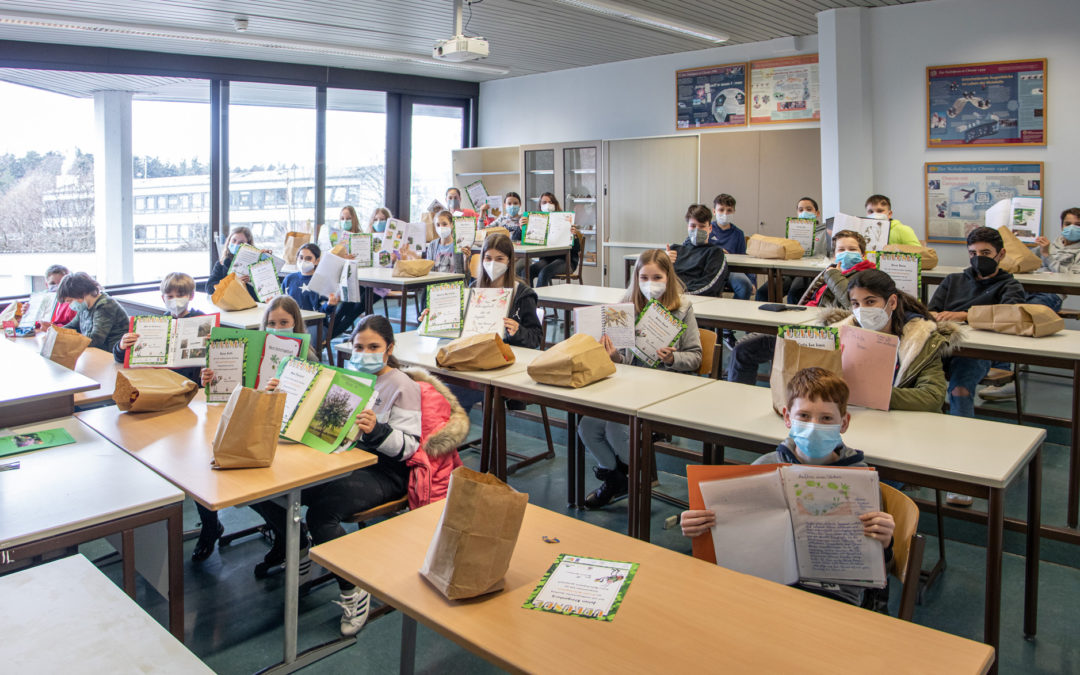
(205, 545)
(729, 339)
(615, 484)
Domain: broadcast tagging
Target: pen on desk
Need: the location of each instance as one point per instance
(10, 466)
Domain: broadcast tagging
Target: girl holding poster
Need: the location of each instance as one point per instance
(609, 442)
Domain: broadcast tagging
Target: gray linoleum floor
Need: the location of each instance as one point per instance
(234, 621)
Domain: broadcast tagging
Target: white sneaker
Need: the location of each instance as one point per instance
(1005, 392)
(354, 612)
(958, 499)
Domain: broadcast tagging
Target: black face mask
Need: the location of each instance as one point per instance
(983, 265)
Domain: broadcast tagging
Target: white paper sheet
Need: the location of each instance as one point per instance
(655, 328)
(485, 311)
(444, 307)
(904, 268)
(226, 359)
(616, 321)
(536, 229)
(246, 256)
(295, 379)
(188, 345)
(275, 350)
(264, 279)
(327, 276)
(802, 231)
(876, 231)
(477, 194)
(559, 232)
(464, 232)
(152, 346)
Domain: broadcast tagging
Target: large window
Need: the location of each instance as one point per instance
(47, 151)
(436, 133)
(271, 160)
(170, 143)
(355, 151)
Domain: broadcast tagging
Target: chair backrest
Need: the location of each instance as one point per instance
(906, 515)
(474, 266)
(709, 365)
(488, 231)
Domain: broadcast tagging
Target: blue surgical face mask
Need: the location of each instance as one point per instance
(233, 248)
(815, 441)
(807, 215)
(77, 305)
(367, 362)
(848, 259)
(513, 210)
(380, 225)
(1071, 233)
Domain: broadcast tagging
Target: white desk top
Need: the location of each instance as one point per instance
(975, 451)
(583, 295)
(61, 489)
(31, 377)
(385, 276)
(815, 264)
(1038, 278)
(56, 599)
(522, 249)
(248, 319)
(627, 391)
(1063, 344)
(729, 309)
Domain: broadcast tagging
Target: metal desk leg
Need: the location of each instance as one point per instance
(127, 559)
(408, 644)
(320, 334)
(487, 431)
(404, 307)
(643, 450)
(995, 535)
(566, 324)
(175, 529)
(579, 467)
(571, 462)
(292, 573)
(499, 412)
(1031, 553)
(1074, 451)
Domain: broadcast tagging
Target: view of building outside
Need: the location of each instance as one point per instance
(436, 133)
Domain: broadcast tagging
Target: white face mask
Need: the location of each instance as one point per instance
(547, 207)
(879, 216)
(494, 269)
(721, 218)
(654, 290)
(176, 306)
(306, 267)
(871, 318)
(444, 232)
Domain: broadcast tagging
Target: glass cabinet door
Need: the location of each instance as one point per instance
(539, 177)
(579, 194)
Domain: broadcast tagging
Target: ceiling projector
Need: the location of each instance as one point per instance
(461, 48)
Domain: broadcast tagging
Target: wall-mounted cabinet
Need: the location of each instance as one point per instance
(497, 168)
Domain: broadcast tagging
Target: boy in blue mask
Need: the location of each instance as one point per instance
(727, 235)
(1061, 255)
(816, 415)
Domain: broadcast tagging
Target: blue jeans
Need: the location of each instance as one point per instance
(605, 441)
(1051, 300)
(740, 285)
(748, 354)
(466, 397)
(966, 373)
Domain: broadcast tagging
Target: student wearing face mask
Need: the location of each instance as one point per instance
(982, 283)
(876, 304)
(879, 207)
(700, 265)
(238, 236)
(1060, 255)
(97, 315)
(608, 442)
(455, 206)
(63, 313)
(727, 235)
(829, 289)
(510, 218)
(816, 417)
(542, 271)
(441, 249)
(807, 208)
(295, 284)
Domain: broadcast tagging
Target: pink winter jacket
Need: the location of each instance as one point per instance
(444, 425)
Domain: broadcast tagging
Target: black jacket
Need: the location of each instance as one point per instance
(220, 271)
(960, 291)
(702, 268)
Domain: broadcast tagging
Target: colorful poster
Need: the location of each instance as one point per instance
(714, 96)
(958, 194)
(996, 103)
(784, 90)
(586, 587)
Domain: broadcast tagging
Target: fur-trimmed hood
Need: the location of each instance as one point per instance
(922, 339)
(454, 430)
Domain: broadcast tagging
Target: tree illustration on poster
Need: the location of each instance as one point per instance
(333, 413)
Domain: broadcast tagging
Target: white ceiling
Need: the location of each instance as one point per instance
(526, 36)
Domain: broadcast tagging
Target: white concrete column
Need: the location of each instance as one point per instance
(847, 141)
(112, 187)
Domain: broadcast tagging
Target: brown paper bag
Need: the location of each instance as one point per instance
(574, 362)
(773, 248)
(929, 258)
(152, 389)
(64, 346)
(247, 433)
(231, 295)
(1025, 320)
(1019, 259)
(485, 351)
(417, 267)
(476, 535)
(789, 358)
(293, 242)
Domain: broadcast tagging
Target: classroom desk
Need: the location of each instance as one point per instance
(33, 387)
(774, 270)
(530, 252)
(56, 599)
(1060, 350)
(97, 364)
(382, 277)
(177, 445)
(247, 319)
(963, 455)
(1042, 281)
(680, 614)
(615, 399)
(71, 494)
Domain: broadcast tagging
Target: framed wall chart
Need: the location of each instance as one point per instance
(1000, 103)
(713, 96)
(785, 90)
(959, 193)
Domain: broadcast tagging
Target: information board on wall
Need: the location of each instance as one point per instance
(713, 96)
(996, 103)
(784, 90)
(959, 193)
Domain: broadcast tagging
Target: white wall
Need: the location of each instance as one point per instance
(905, 39)
(626, 99)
